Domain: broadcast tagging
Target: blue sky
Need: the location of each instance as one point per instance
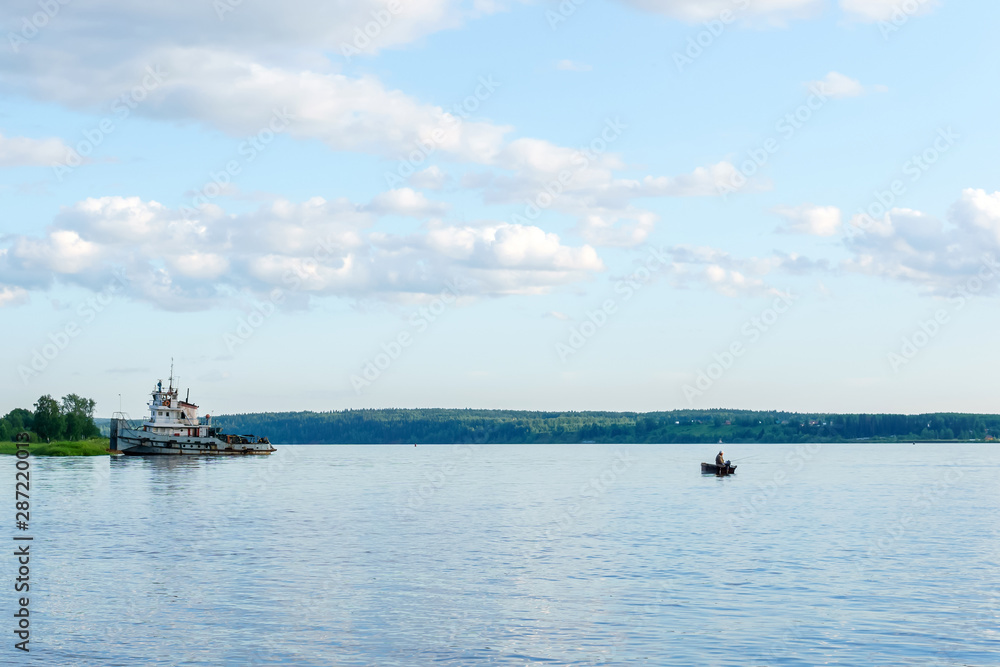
(623, 205)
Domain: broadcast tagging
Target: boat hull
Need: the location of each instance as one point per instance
(713, 469)
(145, 450)
(135, 442)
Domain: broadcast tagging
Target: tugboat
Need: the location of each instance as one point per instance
(174, 427)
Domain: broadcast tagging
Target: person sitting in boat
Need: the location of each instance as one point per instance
(720, 460)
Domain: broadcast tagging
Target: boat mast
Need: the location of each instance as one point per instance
(171, 373)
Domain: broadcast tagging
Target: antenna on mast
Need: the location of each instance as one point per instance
(171, 372)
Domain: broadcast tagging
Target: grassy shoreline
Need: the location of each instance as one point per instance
(95, 447)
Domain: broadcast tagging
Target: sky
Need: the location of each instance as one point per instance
(587, 205)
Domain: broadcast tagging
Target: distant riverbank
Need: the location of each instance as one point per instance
(465, 426)
(95, 447)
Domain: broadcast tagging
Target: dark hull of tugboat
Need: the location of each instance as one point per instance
(189, 450)
(713, 469)
(136, 442)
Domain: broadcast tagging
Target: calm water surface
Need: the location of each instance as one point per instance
(517, 555)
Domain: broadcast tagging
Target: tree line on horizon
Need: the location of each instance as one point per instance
(447, 426)
(71, 419)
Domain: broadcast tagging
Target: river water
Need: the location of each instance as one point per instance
(516, 555)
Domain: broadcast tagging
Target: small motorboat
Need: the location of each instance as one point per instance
(713, 469)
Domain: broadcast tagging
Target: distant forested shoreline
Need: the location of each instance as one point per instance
(447, 426)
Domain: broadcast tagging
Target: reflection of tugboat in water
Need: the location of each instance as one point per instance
(175, 428)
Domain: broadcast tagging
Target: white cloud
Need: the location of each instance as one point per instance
(702, 182)
(292, 27)
(260, 66)
(839, 86)
(809, 219)
(531, 247)
(604, 227)
(199, 265)
(431, 178)
(12, 296)
(775, 12)
(732, 276)
(316, 247)
(918, 248)
(571, 66)
(62, 251)
(601, 203)
(507, 246)
(405, 201)
(884, 10)
(22, 151)
(727, 282)
(283, 227)
(542, 157)
(730, 282)
(241, 96)
(979, 213)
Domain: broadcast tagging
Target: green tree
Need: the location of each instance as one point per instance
(15, 422)
(79, 415)
(20, 419)
(49, 420)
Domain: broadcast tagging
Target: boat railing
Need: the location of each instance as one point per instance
(119, 421)
(126, 420)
